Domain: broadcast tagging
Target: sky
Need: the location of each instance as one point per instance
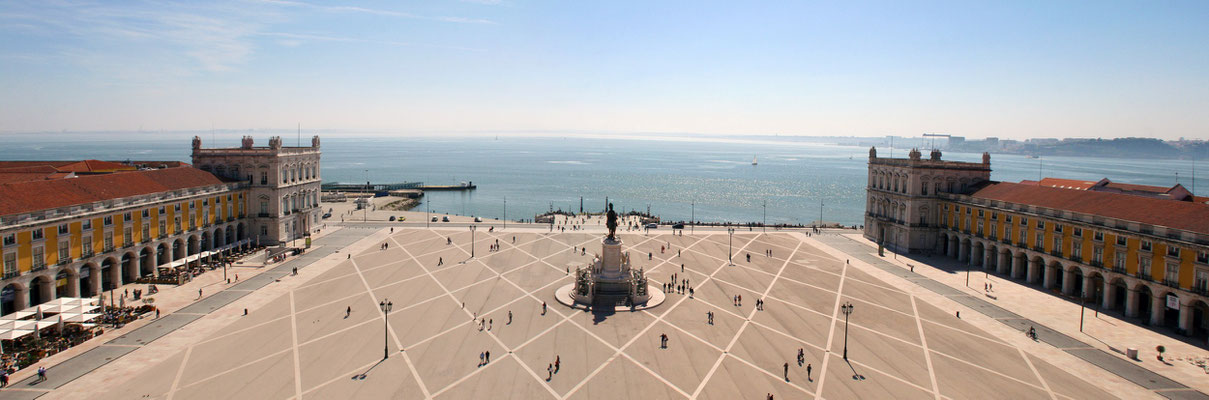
(1015, 69)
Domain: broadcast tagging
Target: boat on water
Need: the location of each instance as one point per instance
(753, 160)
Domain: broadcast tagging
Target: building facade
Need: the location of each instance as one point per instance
(74, 229)
(903, 195)
(282, 183)
(1143, 250)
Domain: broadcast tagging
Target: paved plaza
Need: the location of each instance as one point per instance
(305, 343)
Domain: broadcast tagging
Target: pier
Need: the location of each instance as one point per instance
(386, 188)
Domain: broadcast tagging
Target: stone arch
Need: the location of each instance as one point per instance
(241, 232)
(219, 236)
(1055, 275)
(1198, 326)
(11, 298)
(180, 248)
(1145, 300)
(147, 261)
(193, 244)
(1072, 284)
(88, 279)
(163, 253)
(42, 289)
(67, 282)
(1117, 293)
(1093, 285)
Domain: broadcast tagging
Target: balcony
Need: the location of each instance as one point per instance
(264, 215)
(11, 274)
(38, 268)
(1172, 283)
(1039, 249)
(1056, 253)
(1006, 241)
(1076, 258)
(108, 248)
(1202, 289)
(64, 261)
(230, 219)
(163, 236)
(1097, 264)
(1145, 277)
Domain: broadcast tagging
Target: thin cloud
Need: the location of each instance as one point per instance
(373, 11)
(295, 39)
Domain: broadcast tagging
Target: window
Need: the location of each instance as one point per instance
(1007, 232)
(946, 206)
(10, 264)
(979, 232)
(192, 205)
(63, 229)
(163, 210)
(1173, 251)
(39, 234)
(108, 220)
(264, 177)
(1098, 236)
(146, 231)
(1144, 265)
(1057, 243)
(86, 224)
(127, 237)
(1076, 249)
(1202, 257)
(86, 247)
(176, 207)
(1121, 240)
(1058, 228)
(1023, 221)
(1007, 218)
(176, 222)
(64, 251)
(1172, 274)
(39, 257)
(980, 214)
(1097, 255)
(163, 227)
(995, 216)
(205, 202)
(264, 230)
(1118, 262)
(1146, 246)
(1202, 280)
(127, 216)
(10, 239)
(147, 213)
(1078, 232)
(968, 210)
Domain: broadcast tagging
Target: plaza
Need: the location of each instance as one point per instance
(303, 342)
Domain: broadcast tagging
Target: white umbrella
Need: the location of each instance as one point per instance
(15, 334)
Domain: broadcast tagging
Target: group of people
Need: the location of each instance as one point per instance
(553, 368)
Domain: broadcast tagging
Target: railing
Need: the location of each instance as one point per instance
(1119, 270)
(1172, 283)
(38, 268)
(264, 215)
(1145, 277)
(108, 249)
(163, 236)
(11, 274)
(1055, 253)
(64, 261)
(1006, 241)
(1202, 290)
(1097, 264)
(1039, 249)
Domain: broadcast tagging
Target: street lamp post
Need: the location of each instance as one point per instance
(730, 246)
(581, 200)
(472, 227)
(386, 305)
(847, 310)
(692, 219)
(765, 216)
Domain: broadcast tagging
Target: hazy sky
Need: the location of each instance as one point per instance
(974, 68)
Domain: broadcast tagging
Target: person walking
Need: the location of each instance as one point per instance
(556, 363)
(440, 261)
(199, 294)
(488, 354)
(808, 373)
(41, 374)
(549, 372)
(348, 312)
(509, 317)
(480, 358)
(786, 372)
(543, 308)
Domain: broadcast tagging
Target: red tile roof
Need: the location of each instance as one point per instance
(23, 197)
(1185, 215)
(1067, 183)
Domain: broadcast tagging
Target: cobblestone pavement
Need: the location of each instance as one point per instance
(325, 337)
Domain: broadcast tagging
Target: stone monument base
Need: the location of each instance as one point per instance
(564, 296)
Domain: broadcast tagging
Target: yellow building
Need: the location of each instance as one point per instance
(1140, 249)
(75, 228)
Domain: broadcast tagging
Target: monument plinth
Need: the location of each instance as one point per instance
(609, 282)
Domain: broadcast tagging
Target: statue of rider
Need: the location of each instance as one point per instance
(611, 223)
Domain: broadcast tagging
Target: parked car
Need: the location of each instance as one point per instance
(392, 217)
(445, 219)
(327, 214)
(652, 226)
(478, 219)
(434, 219)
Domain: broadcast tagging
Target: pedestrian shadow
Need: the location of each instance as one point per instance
(855, 375)
(361, 376)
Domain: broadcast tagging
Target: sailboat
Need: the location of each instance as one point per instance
(753, 160)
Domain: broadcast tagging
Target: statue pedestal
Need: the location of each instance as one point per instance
(610, 258)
